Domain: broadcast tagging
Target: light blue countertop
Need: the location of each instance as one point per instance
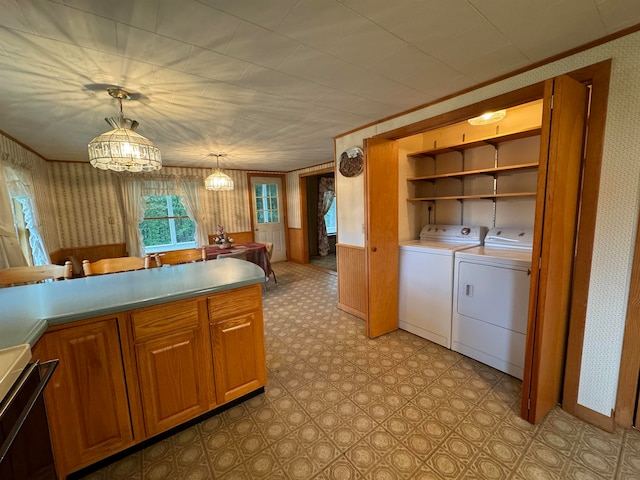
(27, 311)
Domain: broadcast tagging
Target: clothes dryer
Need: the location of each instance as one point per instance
(426, 279)
(491, 299)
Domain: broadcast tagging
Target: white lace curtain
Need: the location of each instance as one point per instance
(10, 252)
(133, 191)
(21, 188)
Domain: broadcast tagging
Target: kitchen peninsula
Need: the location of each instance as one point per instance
(140, 352)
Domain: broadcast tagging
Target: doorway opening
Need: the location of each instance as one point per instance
(320, 225)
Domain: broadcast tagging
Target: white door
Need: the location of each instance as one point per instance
(268, 214)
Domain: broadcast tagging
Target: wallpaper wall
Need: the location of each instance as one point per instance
(617, 214)
(12, 153)
(87, 200)
(79, 204)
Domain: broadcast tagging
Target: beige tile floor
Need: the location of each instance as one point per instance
(341, 406)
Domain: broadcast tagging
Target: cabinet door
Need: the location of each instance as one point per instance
(86, 399)
(381, 203)
(557, 203)
(173, 379)
(239, 356)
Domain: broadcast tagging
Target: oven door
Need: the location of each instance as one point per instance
(25, 446)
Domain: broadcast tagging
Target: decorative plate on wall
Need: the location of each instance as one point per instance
(351, 162)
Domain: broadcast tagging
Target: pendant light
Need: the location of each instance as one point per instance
(122, 149)
(218, 181)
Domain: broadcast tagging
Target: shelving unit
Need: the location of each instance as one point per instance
(484, 171)
(493, 140)
(490, 196)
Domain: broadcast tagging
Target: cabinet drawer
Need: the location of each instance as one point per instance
(152, 321)
(232, 302)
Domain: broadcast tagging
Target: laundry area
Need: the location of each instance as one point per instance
(466, 227)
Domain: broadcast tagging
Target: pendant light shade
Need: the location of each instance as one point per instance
(122, 149)
(218, 181)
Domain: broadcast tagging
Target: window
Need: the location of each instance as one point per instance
(330, 219)
(267, 203)
(166, 225)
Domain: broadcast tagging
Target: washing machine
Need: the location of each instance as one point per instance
(426, 279)
(491, 299)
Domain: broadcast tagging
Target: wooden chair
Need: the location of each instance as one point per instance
(269, 247)
(114, 265)
(177, 257)
(22, 275)
(241, 254)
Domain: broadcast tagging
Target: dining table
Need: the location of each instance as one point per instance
(256, 253)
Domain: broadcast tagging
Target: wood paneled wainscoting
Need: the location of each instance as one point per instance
(352, 280)
(297, 244)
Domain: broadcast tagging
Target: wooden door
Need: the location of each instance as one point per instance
(267, 201)
(172, 377)
(239, 360)
(381, 241)
(86, 399)
(559, 181)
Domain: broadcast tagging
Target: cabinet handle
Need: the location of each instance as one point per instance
(374, 249)
(231, 329)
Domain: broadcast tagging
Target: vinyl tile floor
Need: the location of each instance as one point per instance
(339, 405)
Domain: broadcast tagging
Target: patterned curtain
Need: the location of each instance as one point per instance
(191, 201)
(326, 194)
(133, 205)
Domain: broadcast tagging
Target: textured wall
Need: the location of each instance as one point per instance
(38, 168)
(617, 207)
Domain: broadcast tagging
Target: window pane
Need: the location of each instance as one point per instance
(260, 217)
(155, 232)
(274, 216)
(185, 230)
(156, 207)
(273, 203)
(330, 218)
(178, 208)
(273, 190)
(259, 203)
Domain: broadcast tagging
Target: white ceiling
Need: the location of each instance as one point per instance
(267, 82)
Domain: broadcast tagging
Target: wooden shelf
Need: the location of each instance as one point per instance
(483, 171)
(484, 196)
(495, 140)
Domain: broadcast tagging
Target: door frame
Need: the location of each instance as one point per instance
(598, 76)
(304, 220)
(285, 216)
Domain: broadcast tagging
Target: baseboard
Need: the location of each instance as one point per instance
(595, 418)
(352, 311)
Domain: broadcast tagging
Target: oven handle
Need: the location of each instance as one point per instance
(48, 368)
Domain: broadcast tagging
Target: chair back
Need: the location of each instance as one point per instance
(114, 265)
(269, 247)
(22, 275)
(241, 254)
(177, 257)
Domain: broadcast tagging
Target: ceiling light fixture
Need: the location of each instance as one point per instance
(122, 149)
(218, 181)
(489, 117)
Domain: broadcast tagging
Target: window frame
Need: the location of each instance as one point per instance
(175, 245)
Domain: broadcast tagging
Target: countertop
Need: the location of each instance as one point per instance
(27, 311)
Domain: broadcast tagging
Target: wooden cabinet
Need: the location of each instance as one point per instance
(237, 336)
(173, 363)
(86, 399)
(125, 378)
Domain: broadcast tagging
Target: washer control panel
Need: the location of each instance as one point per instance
(453, 233)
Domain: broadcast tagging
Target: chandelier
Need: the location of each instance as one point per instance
(122, 149)
(218, 181)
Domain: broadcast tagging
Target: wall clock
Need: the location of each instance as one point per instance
(351, 162)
